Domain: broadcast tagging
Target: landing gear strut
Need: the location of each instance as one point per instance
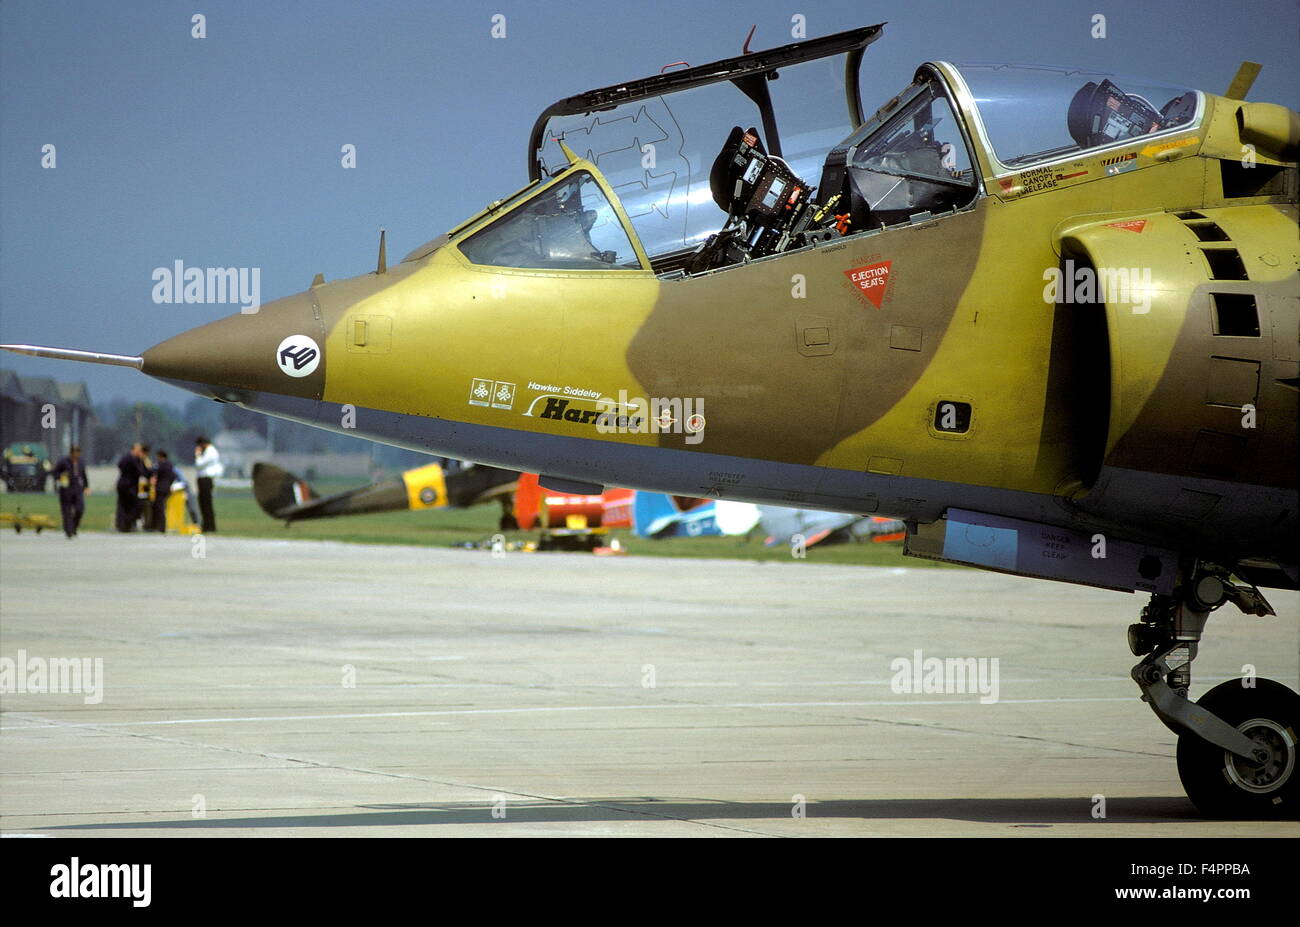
(1237, 746)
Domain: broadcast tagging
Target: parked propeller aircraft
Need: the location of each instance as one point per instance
(571, 519)
(283, 495)
(658, 515)
(808, 527)
(1048, 317)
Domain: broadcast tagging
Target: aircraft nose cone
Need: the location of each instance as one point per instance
(278, 349)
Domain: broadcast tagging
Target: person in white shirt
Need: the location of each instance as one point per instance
(208, 463)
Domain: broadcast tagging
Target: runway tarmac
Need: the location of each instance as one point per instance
(321, 689)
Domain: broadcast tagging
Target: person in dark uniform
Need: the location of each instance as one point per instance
(164, 474)
(130, 470)
(145, 492)
(70, 478)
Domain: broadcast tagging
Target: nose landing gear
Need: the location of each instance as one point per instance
(1237, 745)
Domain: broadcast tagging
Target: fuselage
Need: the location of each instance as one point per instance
(807, 392)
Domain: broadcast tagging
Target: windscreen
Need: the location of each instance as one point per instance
(920, 141)
(570, 225)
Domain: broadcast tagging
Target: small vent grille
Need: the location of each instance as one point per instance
(1207, 231)
(1225, 264)
(1235, 315)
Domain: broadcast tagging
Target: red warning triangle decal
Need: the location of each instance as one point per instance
(1132, 225)
(872, 280)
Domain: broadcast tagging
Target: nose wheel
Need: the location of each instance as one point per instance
(1222, 784)
(1237, 745)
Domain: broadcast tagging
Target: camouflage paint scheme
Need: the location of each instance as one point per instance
(1096, 420)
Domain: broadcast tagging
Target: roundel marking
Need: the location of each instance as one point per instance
(297, 356)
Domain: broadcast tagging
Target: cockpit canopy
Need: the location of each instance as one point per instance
(692, 189)
(1035, 114)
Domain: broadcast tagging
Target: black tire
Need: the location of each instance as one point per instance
(1223, 785)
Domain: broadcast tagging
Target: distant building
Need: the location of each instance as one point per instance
(240, 449)
(29, 404)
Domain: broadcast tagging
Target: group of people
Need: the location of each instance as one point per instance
(143, 487)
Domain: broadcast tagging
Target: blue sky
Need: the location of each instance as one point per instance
(225, 151)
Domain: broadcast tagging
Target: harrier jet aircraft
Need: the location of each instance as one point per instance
(1047, 317)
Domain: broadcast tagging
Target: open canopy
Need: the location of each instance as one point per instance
(719, 164)
(655, 140)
